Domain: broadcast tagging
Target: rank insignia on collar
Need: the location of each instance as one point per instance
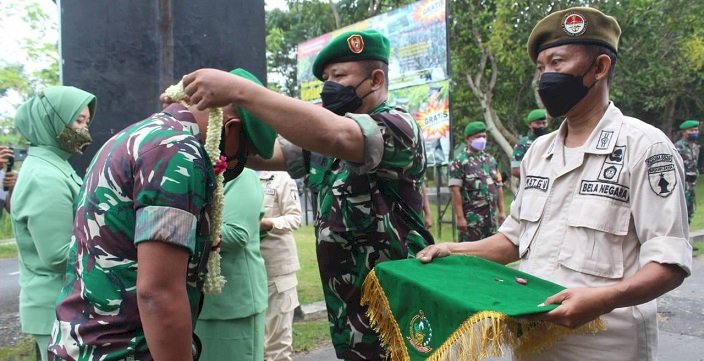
(574, 24)
(356, 43)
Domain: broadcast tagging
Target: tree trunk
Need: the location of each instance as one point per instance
(335, 14)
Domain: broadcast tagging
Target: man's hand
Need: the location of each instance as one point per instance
(209, 88)
(428, 220)
(5, 154)
(577, 306)
(502, 217)
(8, 182)
(461, 224)
(266, 224)
(433, 251)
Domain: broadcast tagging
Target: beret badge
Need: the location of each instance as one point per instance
(356, 43)
(574, 24)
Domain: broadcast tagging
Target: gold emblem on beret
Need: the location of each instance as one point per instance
(356, 43)
(574, 24)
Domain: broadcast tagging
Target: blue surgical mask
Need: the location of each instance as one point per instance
(693, 137)
(479, 144)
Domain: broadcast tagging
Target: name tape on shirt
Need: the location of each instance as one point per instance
(535, 182)
(603, 189)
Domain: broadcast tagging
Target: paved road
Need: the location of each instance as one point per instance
(9, 298)
(681, 318)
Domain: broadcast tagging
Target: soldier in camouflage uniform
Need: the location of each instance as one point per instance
(689, 150)
(475, 184)
(537, 123)
(366, 159)
(144, 204)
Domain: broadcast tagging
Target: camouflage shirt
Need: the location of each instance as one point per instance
(479, 180)
(367, 213)
(690, 157)
(151, 181)
(520, 149)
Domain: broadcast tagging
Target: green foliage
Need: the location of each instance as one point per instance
(18, 80)
(310, 335)
(23, 350)
(309, 286)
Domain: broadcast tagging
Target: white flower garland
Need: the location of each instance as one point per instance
(214, 281)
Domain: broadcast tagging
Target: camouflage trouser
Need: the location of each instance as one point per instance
(343, 266)
(480, 224)
(690, 198)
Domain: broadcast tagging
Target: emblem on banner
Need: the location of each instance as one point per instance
(420, 333)
(356, 43)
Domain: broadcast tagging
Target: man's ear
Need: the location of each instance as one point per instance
(603, 66)
(378, 79)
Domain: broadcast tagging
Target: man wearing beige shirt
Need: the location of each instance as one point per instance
(600, 207)
(282, 216)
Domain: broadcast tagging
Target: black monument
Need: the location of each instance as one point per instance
(127, 52)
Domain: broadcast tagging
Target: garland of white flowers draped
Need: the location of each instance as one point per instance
(214, 281)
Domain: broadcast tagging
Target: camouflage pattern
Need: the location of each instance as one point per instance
(690, 157)
(367, 216)
(477, 175)
(151, 181)
(520, 149)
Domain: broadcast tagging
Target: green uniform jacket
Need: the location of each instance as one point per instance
(44, 195)
(245, 292)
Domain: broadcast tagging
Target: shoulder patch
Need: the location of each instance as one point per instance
(661, 174)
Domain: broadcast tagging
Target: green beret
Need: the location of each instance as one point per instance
(578, 25)
(474, 128)
(259, 133)
(352, 46)
(687, 124)
(536, 114)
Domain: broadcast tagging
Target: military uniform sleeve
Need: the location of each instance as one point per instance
(658, 207)
(289, 204)
(455, 175)
(496, 173)
(294, 159)
(517, 155)
(392, 141)
(169, 191)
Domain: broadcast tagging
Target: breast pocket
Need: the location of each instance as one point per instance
(530, 214)
(594, 238)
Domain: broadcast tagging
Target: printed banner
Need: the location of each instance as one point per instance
(417, 68)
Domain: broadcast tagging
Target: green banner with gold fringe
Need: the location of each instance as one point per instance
(460, 308)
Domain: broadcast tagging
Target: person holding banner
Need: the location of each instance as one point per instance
(366, 159)
(600, 207)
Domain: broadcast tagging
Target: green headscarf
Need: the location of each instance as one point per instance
(42, 118)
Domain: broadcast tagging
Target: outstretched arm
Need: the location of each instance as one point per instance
(306, 125)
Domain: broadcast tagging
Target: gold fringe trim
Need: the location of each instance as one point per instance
(482, 335)
(382, 320)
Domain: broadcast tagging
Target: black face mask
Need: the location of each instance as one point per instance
(560, 92)
(341, 99)
(537, 132)
(233, 173)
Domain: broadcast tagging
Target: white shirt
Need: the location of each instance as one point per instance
(599, 218)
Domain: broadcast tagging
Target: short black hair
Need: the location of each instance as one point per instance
(596, 50)
(370, 65)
